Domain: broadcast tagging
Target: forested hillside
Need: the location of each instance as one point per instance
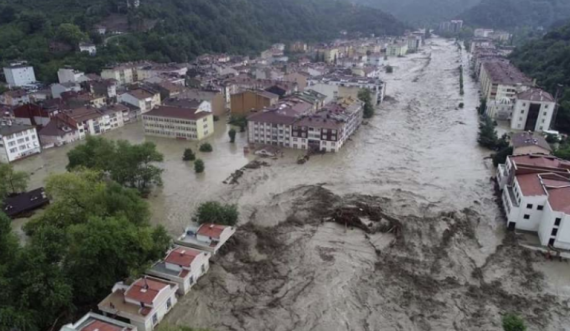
(182, 28)
(548, 60)
(420, 12)
(508, 14)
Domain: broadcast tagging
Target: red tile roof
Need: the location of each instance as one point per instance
(101, 326)
(182, 256)
(211, 230)
(530, 185)
(145, 290)
(559, 199)
(540, 161)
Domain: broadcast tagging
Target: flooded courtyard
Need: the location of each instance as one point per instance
(444, 261)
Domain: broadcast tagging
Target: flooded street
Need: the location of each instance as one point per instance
(443, 261)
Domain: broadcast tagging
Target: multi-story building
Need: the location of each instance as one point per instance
(206, 237)
(502, 80)
(15, 97)
(19, 74)
(397, 49)
(142, 98)
(94, 121)
(533, 110)
(60, 130)
(183, 266)
(96, 322)
(536, 197)
(344, 86)
(143, 304)
(251, 101)
(325, 130)
(17, 141)
(70, 75)
(123, 74)
(178, 122)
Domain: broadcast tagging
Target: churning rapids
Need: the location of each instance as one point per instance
(430, 252)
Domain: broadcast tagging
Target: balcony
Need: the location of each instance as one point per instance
(511, 196)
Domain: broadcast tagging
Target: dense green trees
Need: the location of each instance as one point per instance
(11, 181)
(199, 166)
(94, 234)
(507, 14)
(129, 165)
(183, 30)
(364, 96)
(215, 212)
(547, 60)
(188, 155)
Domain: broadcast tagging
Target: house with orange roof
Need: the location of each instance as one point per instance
(182, 265)
(536, 197)
(96, 322)
(207, 237)
(144, 303)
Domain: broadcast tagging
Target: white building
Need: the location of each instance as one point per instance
(58, 88)
(19, 74)
(144, 303)
(536, 197)
(207, 237)
(342, 86)
(89, 48)
(143, 99)
(17, 141)
(533, 110)
(96, 322)
(182, 265)
(124, 74)
(70, 75)
(60, 130)
(483, 33)
(502, 80)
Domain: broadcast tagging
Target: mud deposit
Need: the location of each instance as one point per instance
(398, 231)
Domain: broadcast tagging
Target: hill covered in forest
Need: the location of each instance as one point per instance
(421, 12)
(548, 60)
(509, 14)
(43, 32)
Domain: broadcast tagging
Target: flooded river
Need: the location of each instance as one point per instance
(418, 160)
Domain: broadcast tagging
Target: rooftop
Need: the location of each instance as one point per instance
(25, 202)
(524, 139)
(8, 129)
(182, 256)
(506, 74)
(535, 94)
(145, 290)
(211, 230)
(177, 112)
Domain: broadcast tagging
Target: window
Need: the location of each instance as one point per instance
(551, 242)
(554, 232)
(529, 206)
(169, 303)
(557, 221)
(539, 207)
(154, 319)
(526, 216)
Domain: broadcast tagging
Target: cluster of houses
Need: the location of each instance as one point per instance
(510, 94)
(182, 101)
(142, 304)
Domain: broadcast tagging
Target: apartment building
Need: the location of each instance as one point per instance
(533, 110)
(123, 74)
(397, 49)
(502, 80)
(177, 122)
(183, 266)
(251, 101)
(536, 197)
(17, 141)
(94, 121)
(19, 74)
(206, 237)
(143, 304)
(325, 130)
(142, 98)
(60, 130)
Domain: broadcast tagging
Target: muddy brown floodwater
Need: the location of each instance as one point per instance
(426, 249)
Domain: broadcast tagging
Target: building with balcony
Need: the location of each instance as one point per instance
(183, 266)
(143, 304)
(536, 197)
(96, 322)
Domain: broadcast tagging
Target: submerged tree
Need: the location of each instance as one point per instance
(189, 155)
(232, 135)
(199, 166)
(364, 96)
(217, 213)
(12, 182)
(512, 322)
